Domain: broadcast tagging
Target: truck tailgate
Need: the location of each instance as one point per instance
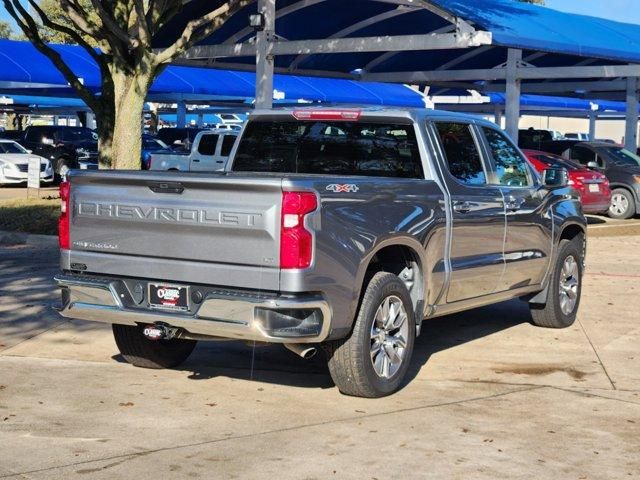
(174, 226)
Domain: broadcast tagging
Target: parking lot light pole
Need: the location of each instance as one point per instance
(631, 130)
(265, 60)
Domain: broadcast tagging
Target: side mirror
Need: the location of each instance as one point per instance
(29, 151)
(593, 165)
(555, 177)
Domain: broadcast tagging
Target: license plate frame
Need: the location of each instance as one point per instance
(165, 296)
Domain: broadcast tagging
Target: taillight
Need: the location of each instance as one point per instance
(63, 221)
(296, 242)
(338, 115)
(146, 162)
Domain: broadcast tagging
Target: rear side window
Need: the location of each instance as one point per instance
(461, 152)
(228, 141)
(37, 134)
(330, 148)
(511, 167)
(208, 145)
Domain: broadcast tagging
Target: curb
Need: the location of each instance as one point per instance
(20, 238)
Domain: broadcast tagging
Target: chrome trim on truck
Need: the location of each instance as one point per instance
(221, 315)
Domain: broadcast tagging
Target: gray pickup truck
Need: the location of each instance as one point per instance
(334, 230)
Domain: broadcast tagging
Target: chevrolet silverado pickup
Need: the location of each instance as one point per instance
(334, 230)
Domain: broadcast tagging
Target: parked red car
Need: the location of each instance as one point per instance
(593, 186)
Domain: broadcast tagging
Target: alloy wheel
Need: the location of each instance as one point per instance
(389, 333)
(569, 285)
(619, 204)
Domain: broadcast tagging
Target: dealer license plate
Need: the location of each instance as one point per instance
(168, 297)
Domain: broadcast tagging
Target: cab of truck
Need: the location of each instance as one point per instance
(209, 152)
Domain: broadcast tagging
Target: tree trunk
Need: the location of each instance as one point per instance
(120, 128)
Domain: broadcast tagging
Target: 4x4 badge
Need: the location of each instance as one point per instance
(343, 188)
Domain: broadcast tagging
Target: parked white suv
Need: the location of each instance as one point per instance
(14, 164)
(209, 152)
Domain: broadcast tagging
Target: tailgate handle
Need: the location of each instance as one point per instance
(166, 187)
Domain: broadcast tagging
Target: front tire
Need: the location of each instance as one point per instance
(140, 351)
(623, 205)
(565, 288)
(374, 359)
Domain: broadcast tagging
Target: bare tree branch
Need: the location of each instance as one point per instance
(144, 33)
(80, 18)
(30, 28)
(110, 23)
(75, 36)
(199, 28)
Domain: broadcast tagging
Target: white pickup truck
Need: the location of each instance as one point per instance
(209, 152)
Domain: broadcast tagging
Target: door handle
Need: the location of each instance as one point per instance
(461, 207)
(513, 204)
(195, 160)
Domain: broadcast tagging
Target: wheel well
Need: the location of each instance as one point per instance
(571, 232)
(624, 187)
(404, 262)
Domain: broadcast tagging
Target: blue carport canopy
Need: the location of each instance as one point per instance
(26, 71)
(484, 31)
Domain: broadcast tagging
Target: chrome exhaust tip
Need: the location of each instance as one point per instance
(304, 351)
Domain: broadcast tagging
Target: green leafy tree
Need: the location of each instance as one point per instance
(124, 31)
(5, 30)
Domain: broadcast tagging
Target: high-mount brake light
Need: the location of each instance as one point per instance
(63, 221)
(296, 242)
(336, 115)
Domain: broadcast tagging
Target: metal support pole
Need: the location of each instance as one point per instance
(593, 117)
(631, 130)
(512, 111)
(497, 116)
(264, 60)
(181, 115)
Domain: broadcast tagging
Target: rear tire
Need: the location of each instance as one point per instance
(373, 361)
(142, 352)
(623, 205)
(565, 288)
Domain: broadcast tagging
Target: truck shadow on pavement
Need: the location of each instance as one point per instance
(273, 364)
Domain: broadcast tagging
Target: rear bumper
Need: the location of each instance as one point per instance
(221, 314)
(596, 207)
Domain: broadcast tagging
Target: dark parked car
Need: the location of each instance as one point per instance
(621, 167)
(542, 140)
(150, 145)
(593, 186)
(66, 147)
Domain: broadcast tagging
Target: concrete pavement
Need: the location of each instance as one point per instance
(490, 396)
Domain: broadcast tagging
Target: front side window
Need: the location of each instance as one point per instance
(329, 148)
(208, 144)
(461, 153)
(511, 167)
(622, 156)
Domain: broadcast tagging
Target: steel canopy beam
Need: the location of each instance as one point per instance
(398, 43)
(523, 73)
